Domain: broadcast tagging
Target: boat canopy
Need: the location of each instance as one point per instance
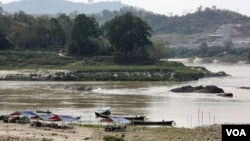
(105, 109)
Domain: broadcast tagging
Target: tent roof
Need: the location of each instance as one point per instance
(24, 113)
(45, 116)
(121, 120)
(117, 120)
(66, 118)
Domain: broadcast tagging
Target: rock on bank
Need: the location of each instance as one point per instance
(107, 75)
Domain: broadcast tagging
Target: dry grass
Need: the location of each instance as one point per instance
(208, 133)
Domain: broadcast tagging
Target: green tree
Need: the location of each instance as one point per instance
(228, 45)
(128, 34)
(67, 23)
(22, 17)
(21, 31)
(83, 36)
(57, 34)
(4, 43)
(40, 32)
(1, 10)
(203, 49)
(158, 51)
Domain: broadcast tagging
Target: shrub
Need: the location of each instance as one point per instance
(112, 138)
(45, 139)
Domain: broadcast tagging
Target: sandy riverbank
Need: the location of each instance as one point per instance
(20, 132)
(24, 132)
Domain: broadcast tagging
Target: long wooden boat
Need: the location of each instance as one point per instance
(101, 115)
(136, 118)
(165, 123)
(43, 112)
(104, 111)
(128, 118)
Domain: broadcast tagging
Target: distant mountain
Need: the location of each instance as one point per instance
(59, 6)
(203, 21)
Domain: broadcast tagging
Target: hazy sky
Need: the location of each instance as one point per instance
(180, 7)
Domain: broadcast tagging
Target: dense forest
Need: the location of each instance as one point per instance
(80, 35)
(126, 32)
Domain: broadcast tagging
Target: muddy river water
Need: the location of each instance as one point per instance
(152, 99)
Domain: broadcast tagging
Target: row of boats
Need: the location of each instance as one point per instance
(105, 114)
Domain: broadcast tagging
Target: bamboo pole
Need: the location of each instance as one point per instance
(199, 117)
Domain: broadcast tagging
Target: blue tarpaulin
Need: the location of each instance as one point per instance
(121, 120)
(116, 120)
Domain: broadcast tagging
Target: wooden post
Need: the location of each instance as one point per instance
(202, 118)
(199, 117)
(214, 119)
(209, 119)
(191, 121)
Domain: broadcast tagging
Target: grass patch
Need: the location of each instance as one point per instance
(98, 68)
(45, 139)
(112, 138)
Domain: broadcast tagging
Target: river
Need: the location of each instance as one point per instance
(152, 99)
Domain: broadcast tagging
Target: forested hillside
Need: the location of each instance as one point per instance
(82, 34)
(203, 20)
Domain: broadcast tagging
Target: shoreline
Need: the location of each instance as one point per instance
(149, 73)
(13, 132)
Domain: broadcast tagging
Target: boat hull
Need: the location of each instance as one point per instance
(153, 123)
(43, 112)
(140, 118)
